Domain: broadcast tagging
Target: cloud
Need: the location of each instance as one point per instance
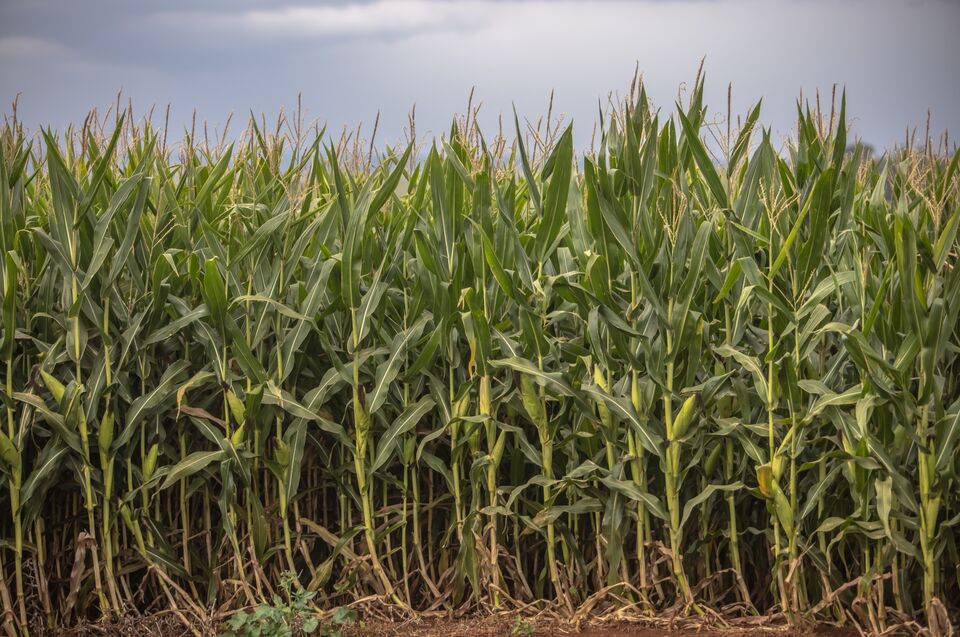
(27, 46)
(377, 18)
(352, 58)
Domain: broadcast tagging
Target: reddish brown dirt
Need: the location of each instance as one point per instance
(493, 626)
(508, 627)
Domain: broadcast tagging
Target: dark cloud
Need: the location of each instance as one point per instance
(350, 59)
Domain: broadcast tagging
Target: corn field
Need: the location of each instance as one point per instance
(687, 373)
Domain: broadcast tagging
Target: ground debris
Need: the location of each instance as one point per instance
(492, 625)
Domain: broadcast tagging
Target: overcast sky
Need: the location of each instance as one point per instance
(352, 58)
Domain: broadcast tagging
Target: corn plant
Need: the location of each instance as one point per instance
(690, 372)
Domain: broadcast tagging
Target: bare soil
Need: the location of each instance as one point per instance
(497, 626)
(166, 625)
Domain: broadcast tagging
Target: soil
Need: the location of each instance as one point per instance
(509, 627)
(491, 626)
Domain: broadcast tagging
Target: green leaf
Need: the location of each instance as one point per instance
(704, 163)
(555, 201)
(704, 495)
(622, 408)
(214, 293)
(193, 463)
(406, 421)
(388, 370)
(149, 402)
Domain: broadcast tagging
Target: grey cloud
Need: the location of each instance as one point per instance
(351, 59)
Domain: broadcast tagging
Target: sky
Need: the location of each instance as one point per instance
(350, 59)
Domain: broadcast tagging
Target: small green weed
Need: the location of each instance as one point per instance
(290, 615)
(521, 626)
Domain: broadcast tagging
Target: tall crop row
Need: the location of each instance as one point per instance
(667, 372)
